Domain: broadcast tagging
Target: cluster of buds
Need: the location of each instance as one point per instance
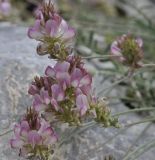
(55, 35)
(128, 50)
(5, 8)
(34, 137)
(102, 114)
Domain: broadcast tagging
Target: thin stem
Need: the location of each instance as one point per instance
(139, 151)
(7, 132)
(100, 57)
(134, 110)
(140, 122)
(113, 84)
(104, 143)
(112, 138)
(149, 65)
(129, 76)
(76, 131)
(136, 140)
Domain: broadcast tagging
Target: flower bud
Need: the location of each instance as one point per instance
(127, 50)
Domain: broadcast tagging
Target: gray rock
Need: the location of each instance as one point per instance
(18, 64)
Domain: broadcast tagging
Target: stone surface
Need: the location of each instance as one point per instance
(18, 65)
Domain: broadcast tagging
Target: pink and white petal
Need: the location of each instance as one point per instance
(24, 125)
(16, 143)
(63, 27)
(86, 80)
(33, 90)
(35, 31)
(78, 91)
(50, 71)
(45, 96)
(140, 42)
(44, 126)
(86, 89)
(47, 132)
(24, 133)
(38, 103)
(64, 79)
(76, 75)
(52, 27)
(62, 67)
(115, 51)
(34, 138)
(69, 34)
(57, 92)
(34, 34)
(57, 18)
(55, 104)
(82, 104)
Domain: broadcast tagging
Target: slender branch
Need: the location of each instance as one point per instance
(139, 151)
(149, 65)
(134, 110)
(136, 140)
(7, 132)
(140, 122)
(117, 134)
(114, 84)
(76, 131)
(100, 57)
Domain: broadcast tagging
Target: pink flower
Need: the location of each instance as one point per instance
(82, 104)
(68, 85)
(5, 7)
(53, 32)
(127, 50)
(31, 134)
(41, 100)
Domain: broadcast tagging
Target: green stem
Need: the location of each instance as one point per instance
(139, 151)
(7, 132)
(149, 65)
(113, 84)
(140, 122)
(76, 131)
(100, 57)
(134, 110)
(117, 134)
(136, 140)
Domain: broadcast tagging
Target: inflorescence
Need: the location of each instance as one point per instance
(65, 90)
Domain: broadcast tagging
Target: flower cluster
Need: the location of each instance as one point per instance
(53, 32)
(34, 137)
(65, 89)
(64, 92)
(128, 50)
(5, 7)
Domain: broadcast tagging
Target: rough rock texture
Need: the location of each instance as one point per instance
(18, 65)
